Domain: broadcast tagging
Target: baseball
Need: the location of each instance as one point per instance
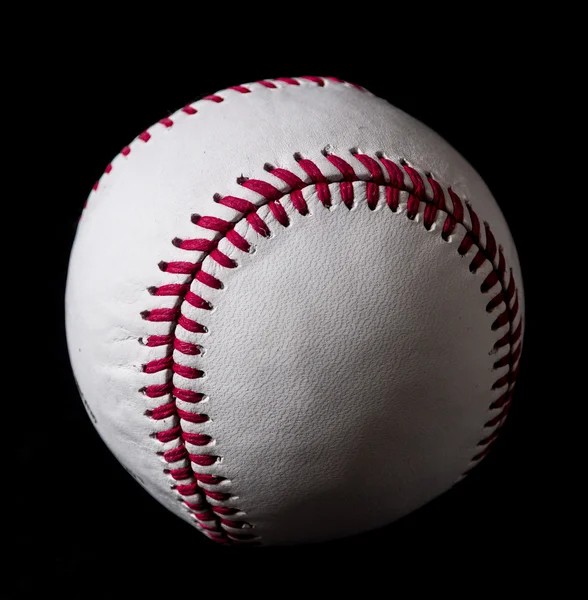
(294, 312)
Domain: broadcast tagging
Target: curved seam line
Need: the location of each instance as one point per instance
(476, 241)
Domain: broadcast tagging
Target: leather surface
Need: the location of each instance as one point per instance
(347, 361)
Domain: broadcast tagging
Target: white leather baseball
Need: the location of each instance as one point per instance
(294, 312)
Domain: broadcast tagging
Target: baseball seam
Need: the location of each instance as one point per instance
(190, 109)
(207, 497)
(505, 294)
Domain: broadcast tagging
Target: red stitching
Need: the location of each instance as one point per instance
(167, 122)
(212, 517)
(434, 201)
(288, 80)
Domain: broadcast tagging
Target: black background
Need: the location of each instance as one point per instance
(88, 530)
